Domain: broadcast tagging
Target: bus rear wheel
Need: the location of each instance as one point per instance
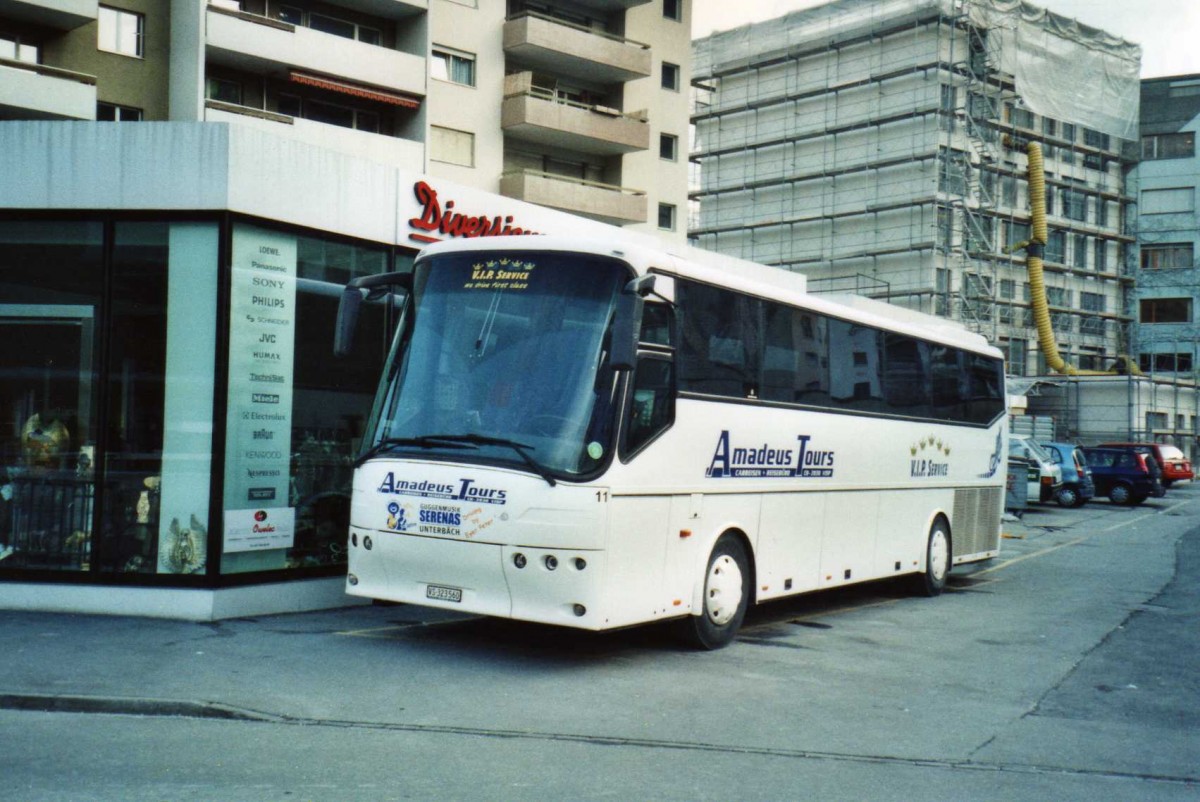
(932, 581)
(726, 596)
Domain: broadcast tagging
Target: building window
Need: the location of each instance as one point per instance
(1074, 205)
(1015, 352)
(1079, 251)
(1183, 88)
(1168, 256)
(1056, 247)
(121, 31)
(111, 112)
(1022, 118)
(673, 9)
(666, 216)
(1101, 212)
(1168, 201)
(1100, 255)
(1095, 139)
(1169, 146)
(670, 76)
(1165, 310)
(223, 90)
(453, 65)
(1165, 363)
(331, 25)
(668, 147)
(452, 147)
(12, 48)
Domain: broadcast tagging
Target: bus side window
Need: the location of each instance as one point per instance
(652, 410)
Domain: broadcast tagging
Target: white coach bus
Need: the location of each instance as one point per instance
(596, 436)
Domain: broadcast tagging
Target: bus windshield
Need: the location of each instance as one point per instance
(505, 363)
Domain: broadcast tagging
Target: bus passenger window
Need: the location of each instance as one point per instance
(653, 407)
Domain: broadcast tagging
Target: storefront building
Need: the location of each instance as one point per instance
(176, 437)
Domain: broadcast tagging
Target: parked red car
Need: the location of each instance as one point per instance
(1175, 466)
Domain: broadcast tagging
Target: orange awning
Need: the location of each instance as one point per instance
(378, 95)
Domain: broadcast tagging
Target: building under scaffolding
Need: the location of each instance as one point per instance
(878, 147)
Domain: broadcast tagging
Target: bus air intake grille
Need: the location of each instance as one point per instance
(976, 520)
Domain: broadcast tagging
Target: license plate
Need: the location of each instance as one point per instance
(442, 593)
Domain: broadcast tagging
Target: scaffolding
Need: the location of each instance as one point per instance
(877, 145)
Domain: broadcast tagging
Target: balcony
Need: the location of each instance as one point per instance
(532, 114)
(374, 147)
(563, 48)
(61, 15)
(603, 202)
(38, 92)
(266, 46)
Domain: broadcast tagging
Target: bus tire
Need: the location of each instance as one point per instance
(932, 581)
(726, 596)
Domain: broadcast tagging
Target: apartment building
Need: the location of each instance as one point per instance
(880, 149)
(578, 106)
(1168, 228)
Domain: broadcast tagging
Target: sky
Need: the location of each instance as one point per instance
(1167, 30)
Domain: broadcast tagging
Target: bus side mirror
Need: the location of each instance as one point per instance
(347, 321)
(368, 288)
(627, 323)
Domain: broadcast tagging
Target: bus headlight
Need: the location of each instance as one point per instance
(519, 560)
(551, 562)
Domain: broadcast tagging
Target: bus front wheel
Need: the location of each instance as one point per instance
(932, 581)
(726, 596)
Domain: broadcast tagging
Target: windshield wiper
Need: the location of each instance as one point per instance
(483, 440)
(389, 443)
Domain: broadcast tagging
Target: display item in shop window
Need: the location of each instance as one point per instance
(186, 550)
(43, 446)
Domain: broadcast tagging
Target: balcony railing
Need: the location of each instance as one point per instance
(379, 148)
(43, 92)
(539, 115)
(561, 47)
(273, 47)
(605, 202)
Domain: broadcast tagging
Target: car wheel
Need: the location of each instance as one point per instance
(726, 596)
(1067, 497)
(1120, 494)
(932, 581)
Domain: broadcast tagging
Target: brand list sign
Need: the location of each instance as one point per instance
(261, 355)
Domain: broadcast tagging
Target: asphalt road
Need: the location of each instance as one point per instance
(1065, 669)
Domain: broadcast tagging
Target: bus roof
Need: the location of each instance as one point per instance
(738, 274)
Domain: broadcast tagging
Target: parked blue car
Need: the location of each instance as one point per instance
(1077, 485)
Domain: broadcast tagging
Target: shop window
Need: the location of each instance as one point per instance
(49, 320)
(120, 31)
(128, 493)
(295, 414)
